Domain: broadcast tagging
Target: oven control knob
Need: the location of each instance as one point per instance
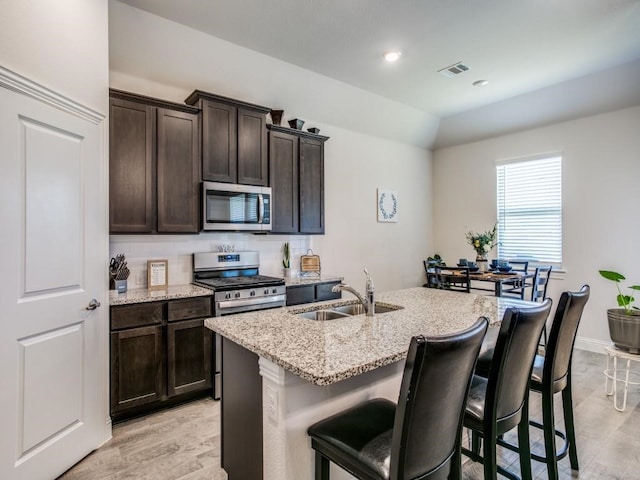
(252, 293)
(227, 296)
(237, 295)
(266, 291)
(275, 290)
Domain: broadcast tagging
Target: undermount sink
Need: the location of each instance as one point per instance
(323, 315)
(342, 311)
(358, 309)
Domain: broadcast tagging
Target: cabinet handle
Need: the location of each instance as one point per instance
(93, 304)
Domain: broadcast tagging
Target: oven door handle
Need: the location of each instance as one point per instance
(252, 301)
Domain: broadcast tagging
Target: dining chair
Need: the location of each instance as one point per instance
(499, 402)
(516, 288)
(539, 287)
(420, 436)
(453, 278)
(551, 374)
(429, 267)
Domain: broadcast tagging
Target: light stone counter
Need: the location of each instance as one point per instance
(325, 352)
(142, 295)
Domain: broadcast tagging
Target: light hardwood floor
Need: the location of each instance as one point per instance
(183, 443)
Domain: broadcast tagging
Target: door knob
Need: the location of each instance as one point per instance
(93, 304)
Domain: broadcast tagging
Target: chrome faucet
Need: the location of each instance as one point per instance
(368, 302)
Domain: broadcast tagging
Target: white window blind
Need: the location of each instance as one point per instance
(530, 210)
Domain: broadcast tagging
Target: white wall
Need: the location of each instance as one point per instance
(61, 45)
(155, 57)
(601, 170)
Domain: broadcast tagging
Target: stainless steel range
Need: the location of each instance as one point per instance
(238, 287)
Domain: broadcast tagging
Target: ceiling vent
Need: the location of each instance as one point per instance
(453, 70)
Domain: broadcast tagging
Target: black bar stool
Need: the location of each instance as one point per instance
(499, 402)
(420, 437)
(551, 374)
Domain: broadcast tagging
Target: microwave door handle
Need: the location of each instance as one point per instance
(260, 208)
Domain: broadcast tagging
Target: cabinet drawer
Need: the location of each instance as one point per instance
(298, 295)
(197, 307)
(139, 315)
(323, 291)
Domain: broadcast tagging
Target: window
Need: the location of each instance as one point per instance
(530, 210)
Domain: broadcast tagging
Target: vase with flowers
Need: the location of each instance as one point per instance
(482, 243)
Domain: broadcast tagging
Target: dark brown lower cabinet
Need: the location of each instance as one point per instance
(136, 367)
(161, 354)
(188, 357)
(299, 294)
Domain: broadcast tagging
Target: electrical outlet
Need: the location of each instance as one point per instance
(272, 404)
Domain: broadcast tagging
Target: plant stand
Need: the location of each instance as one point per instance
(612, 373)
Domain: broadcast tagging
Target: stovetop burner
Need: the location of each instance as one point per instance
(232, 283)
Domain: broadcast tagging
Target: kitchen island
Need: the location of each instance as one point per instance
(282, 372)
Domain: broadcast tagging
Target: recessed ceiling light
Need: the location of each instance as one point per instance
(392, 56)
(480, 83)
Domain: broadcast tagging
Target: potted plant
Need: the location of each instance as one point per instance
(286, 259)
(482, 243)
(624, 323)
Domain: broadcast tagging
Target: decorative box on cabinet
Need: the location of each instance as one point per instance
(160, 354)
(154, 165)
(297, 180)
(234, 139)
(317, 292)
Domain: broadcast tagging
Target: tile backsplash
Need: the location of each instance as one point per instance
(178, 250)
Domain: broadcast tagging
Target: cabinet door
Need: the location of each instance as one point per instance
(188, 357)
(283, 156)
(324, 291)
(136, 367)
(252, 148)
(178, 172)
(131, 175)
(311, 186)
(300, 294)
(219, 142)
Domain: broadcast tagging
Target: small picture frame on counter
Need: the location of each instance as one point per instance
(157, 274)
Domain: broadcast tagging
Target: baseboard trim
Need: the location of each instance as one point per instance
(591, 344)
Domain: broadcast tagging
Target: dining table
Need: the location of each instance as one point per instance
(498, 279)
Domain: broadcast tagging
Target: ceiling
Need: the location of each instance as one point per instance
(517, 46)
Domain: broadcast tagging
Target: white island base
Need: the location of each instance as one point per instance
(290, 405)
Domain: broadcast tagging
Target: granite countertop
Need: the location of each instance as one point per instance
(310, 279)
(142, 295)
(325, 352)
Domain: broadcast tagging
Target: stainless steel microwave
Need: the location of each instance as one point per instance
(231, 207)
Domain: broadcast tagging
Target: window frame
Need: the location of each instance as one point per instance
(554, 212)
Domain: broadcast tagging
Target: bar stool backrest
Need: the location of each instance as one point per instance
(559, 349)
(428, 419)
(512, 362)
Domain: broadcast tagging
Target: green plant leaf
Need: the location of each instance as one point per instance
(614, 276)
(624, 300)
(635, 287)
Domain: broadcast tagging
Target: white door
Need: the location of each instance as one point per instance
(53, 251)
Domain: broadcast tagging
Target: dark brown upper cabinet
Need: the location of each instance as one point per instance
(234, 139)
(154, 165)
(297, 180)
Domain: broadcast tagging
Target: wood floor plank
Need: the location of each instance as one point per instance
(183, 443)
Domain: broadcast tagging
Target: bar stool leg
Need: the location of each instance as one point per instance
(569, 425)
(548, 422)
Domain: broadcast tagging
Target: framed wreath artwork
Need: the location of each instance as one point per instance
(387, 206)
